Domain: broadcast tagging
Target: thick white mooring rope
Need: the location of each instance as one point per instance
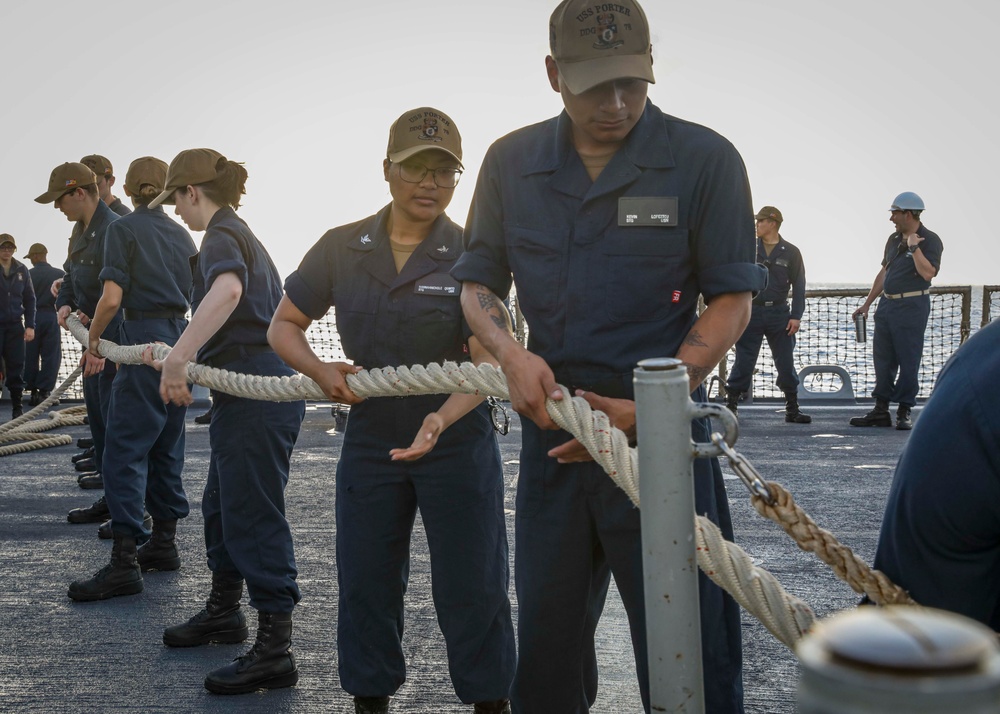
(21, 434)
(785, 616)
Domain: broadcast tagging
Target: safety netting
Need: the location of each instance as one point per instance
(827, 337)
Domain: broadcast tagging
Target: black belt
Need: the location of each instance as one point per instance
(770, 303)
(233, 354)
(617, 386)
(155, 314)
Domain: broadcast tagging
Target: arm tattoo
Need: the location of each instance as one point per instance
(696, 372)
(694, 339)
(492, 306)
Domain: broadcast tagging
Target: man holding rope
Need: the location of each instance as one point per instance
(609, 219)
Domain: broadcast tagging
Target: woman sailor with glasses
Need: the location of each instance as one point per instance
(387, 276)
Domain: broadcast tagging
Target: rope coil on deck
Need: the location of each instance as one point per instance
(21, 433)
(785, 616)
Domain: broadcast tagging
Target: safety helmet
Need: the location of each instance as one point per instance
(907, 201)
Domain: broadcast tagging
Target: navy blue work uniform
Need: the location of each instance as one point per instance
(769, 318)
(47, 345)
(17, 311)
(389, 319)
(607, 273)
(246, 534)
(940, 536)
(119, 208)
(901, 318)
(81, 290)
(147, 254)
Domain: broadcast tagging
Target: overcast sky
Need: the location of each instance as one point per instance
(835, 107)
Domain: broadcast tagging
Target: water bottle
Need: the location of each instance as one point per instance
(860, 327)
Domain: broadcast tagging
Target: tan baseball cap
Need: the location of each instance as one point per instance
(189, 168)
(98, 164)
(422, 129)
(770, 212)
(594, 43)
(148, 170)
(6, 238)
(65, 178)
(36, 249)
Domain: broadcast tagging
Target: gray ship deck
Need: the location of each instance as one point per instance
(61, 656)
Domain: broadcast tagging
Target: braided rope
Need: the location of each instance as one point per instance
(785, 616)
(608, 446)
(23, 429)
(811, 538)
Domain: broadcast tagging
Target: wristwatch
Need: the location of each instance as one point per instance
(912, 248)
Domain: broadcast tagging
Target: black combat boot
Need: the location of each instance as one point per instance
(269, 664)
(88, 464)
(85, 454)
(16, 408)
(903, 422)
(97, 512)
(792, 413)
(371, 705)
(34, 400)
(879, 416)
(90, 480)
(119, 577)
(221, 620)
(160, 551)
(732, 400)
(499, 707)
(84, 442)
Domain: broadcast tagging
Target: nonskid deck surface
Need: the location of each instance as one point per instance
(57, 655)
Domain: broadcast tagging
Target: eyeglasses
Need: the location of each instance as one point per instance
(446, 177)
(9, 248)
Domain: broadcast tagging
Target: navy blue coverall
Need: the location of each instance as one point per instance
(607, 273)
(769, 318)
(119, 207)
(17, 311)
(390, 319)
(81, 289)
(901, 319)
(147, 254)
(47, 345)
(246, 533)
(940, 537)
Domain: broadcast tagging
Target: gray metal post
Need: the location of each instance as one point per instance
(670, 566)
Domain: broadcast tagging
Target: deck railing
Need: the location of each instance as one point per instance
(826, 337)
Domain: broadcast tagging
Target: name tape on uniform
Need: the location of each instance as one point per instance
(437, 284)
(647, 211)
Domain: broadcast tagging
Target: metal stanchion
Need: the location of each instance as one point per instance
(899, 659)
(670, 566)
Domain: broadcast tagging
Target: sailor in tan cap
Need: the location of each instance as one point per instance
(434, 453)
(17, 319)
(105, 173)
(46, 348)
(247, 537)
(611, 219)
(73, 190)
